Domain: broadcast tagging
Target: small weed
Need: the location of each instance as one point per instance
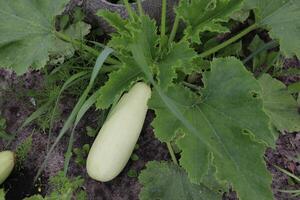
(81, 154)
(63, 188)
(22, 151)
(90, 131)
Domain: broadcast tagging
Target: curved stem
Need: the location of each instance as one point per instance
(172, 153)
(228, 42)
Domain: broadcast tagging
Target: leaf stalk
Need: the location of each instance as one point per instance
(229, 41)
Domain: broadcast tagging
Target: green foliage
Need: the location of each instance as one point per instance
(83, 104)
(164, 181)
(214, 111)
(227, 124)
(294, 87)
(81, 154)
(23, 150)
(63, 188)
(134, 157)
(3, 134)
(263, 61)
(2, 194)
(206, 15)
(28, 34)
(281, 17)
(141, 34)
(132, 173)
(90, 131)
(279, 104)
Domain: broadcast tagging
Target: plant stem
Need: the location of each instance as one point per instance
(129, 9)
(163, 23)
(172, 153)
(174, 28)
(195, 87)
(86, 48)
(140, 8)
(228, 42)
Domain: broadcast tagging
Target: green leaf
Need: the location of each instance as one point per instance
(119, 81)
(2, 194)
(165, 181)
(226, 125)
(236, 49)
(27, 35)
(263, 59)
(206, 15)
(294, 87)
(114, 19)
(141, 33)
(279, 104)
(281, 17)
(179, 56)
(75, 31)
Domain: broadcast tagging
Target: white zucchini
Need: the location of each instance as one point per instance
(7, 162)
(115, 142)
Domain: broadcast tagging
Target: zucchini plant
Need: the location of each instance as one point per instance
(222, 124)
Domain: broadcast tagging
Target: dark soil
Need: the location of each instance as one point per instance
(15, 108)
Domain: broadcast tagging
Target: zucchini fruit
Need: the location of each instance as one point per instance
(7, 162)
(115, 142)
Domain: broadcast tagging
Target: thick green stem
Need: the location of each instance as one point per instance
(163, 23)
(174, 29)
(163, 18)
(228, 42)
(194, 87)
(174, 159)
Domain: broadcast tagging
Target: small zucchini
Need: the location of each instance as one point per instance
(7, 162)
(115, 142)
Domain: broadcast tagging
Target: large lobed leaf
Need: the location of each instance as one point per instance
(281, 17)
(27, 33)
(206, 15)
(165, 181)
(141, 34)
(144, 31)
(227, 126)
(279, 104)
(119, 82)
